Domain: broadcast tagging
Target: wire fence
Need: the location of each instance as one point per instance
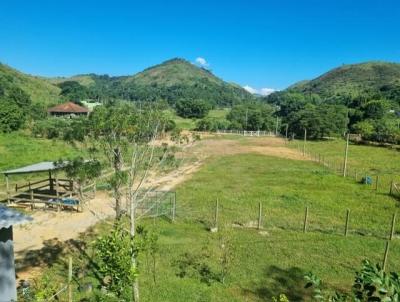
(377, 182)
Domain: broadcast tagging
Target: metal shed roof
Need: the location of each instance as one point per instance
(9, 217)
(39, 167)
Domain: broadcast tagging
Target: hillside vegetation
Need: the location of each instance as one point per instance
(38, 89)
(372, 80)
(360, 98)
(170, 81)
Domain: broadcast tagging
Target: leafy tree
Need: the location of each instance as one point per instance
(375, 109)
(11, 116)
(192, 108)
(252, 116)
(74, 91)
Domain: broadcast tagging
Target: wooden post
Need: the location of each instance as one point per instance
(259, 214)
(376, 182)
(216, 215)
(393, 226)
(346, 228)
(57, 188)
(385, 256)
(51, 182)
(70, 279)
(305, 221)
(174, 208)
(345, 156)
(356, 175)
(8, 189)
(32, 201)
(305, 141)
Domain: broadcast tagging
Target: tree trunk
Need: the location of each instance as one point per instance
(135, 284)
(117, 171)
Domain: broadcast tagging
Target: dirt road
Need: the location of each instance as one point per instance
(50, 226)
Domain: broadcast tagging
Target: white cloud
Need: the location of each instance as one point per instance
(251, 89)
(202, 62)
(266, 91)
(262, 91)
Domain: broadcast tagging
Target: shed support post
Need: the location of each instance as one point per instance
(8, 189)
(51, 182)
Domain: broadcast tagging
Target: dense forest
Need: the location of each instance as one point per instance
(361, 98)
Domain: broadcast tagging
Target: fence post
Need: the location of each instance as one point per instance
(70, 279)
(393, 226)
(376, 182)
(216, 215)
(356, 175)
(305, 221)
(174, 207)
(385, 256)
(259, 214)
(32, 202)
(346, 229)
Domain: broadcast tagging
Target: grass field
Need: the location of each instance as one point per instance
(366, 160)
(275, 260)
(18, 149)
(190, 124)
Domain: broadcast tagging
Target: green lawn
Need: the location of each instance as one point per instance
(190, 124)
(275, 260)
(368, 160)
(18, 149)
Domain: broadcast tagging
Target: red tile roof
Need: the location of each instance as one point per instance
(68, 107)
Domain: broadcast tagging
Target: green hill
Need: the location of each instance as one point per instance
(170, 81)
(39, 89)
(371, 80)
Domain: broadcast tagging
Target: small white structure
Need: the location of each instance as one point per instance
(8, 218)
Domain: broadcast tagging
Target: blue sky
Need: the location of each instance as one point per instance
(263, 44)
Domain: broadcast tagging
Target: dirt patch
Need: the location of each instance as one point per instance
(262, 145)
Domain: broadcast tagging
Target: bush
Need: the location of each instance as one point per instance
(11, 116)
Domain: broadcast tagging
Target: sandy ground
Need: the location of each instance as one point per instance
(51, 227)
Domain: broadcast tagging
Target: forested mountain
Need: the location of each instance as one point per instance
(38, 89)
(170, 81)
(365, 81)
(364, 98)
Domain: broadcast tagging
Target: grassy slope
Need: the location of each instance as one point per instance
(365, 159)
(353, 79)
(190, 124)
(40, 90)
(275, 262)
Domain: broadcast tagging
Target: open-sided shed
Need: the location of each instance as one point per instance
(8, 218)
(51, 191)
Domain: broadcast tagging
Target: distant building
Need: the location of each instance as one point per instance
(69, 110)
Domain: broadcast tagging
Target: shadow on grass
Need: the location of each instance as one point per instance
(278, 281)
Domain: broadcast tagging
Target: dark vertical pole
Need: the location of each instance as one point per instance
(345, 155)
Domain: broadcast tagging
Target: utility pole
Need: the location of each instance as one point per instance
(305, 141)
(345, 155)
(276, 127)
